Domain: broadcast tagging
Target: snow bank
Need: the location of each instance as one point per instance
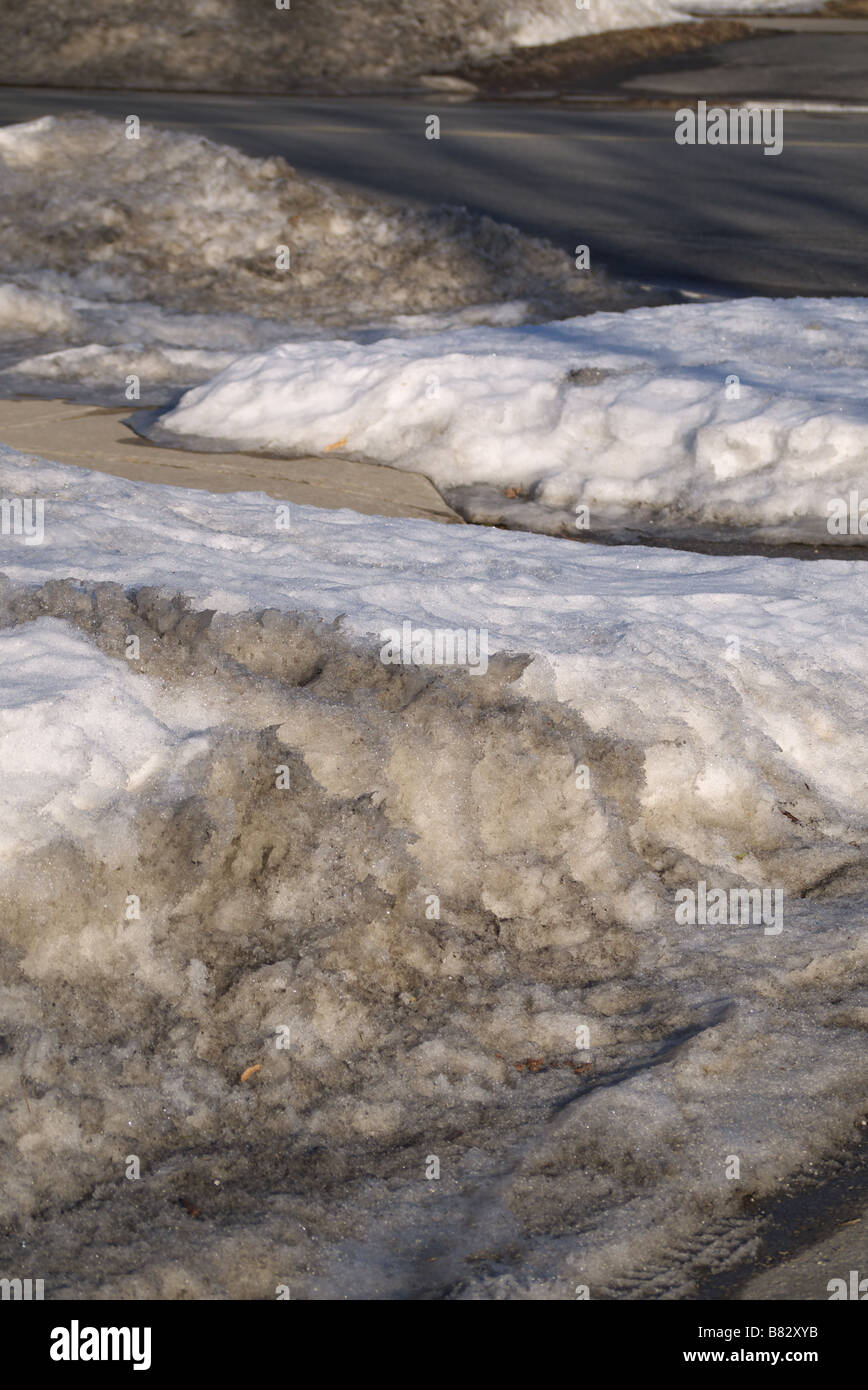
(241, 45)
(551, 22)
(144, 256)
(591, 619)
(402, 893)
(748, 414)
(74, 729)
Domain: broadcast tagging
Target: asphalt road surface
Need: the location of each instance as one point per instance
(825, 67)
(709, 217)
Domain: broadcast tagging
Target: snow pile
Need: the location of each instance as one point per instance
(74, 729)
(551, 22)
(146, 255)
(242, 45)
(747, 414)
(400, 893)
(601, 625)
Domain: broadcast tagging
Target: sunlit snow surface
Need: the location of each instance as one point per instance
(170, 912)
(747, 414)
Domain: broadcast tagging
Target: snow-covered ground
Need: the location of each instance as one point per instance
(242, 45)
(158, 257)
(424, 911)
(632, 639)
(748, 414)
(429, 881)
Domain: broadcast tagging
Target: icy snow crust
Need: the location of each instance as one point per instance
(240, 45)
(747, 414)
(157, 257)
(169, 910)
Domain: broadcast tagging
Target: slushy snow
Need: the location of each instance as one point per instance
(207, 907)
(747, 414)
(629, 638)
(549, 21)
(227, 822)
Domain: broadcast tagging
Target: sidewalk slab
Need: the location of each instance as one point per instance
(93, 437)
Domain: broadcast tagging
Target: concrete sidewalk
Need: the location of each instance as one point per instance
(93, 437)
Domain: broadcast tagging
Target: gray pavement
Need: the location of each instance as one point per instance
(805, 1277)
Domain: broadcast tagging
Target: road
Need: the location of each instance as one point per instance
(729, 218)
(824, 67)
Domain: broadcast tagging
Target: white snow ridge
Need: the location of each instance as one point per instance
(700, 416)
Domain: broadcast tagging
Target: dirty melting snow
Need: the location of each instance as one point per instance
(158, 257)
(170, 912)
(243, 46)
